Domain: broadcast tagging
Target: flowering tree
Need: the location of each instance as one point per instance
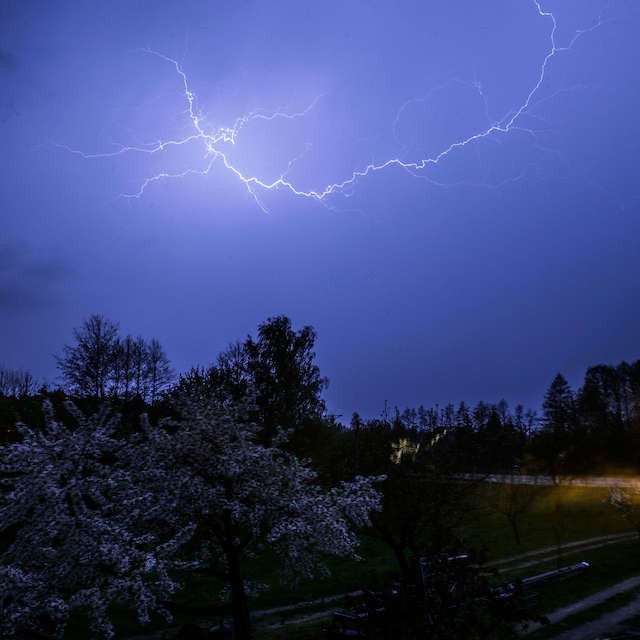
(88, 517)
(626, 501)
(74, 529)
(209, 469)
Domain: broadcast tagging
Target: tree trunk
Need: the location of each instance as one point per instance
(239, 603)
(399, 553)
(514, 528)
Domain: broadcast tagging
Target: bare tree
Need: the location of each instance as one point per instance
(139, 367)
(100, 363)
(158, 370)
(116, 377)
(16, 383)
(122, 372)
(87, 365)
(513, 498)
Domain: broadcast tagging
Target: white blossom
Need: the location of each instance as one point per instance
(73, 514)
(92, 517)
(210, 468)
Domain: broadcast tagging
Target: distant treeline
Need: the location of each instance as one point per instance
(100, 364)
(595, 428)
(16, 383)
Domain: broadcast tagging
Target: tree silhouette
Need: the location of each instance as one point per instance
(86, 366)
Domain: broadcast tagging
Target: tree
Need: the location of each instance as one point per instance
(139, 368)
(116, 381)
(281, 367)
(558, 406)
(286, 378)
(16, 383)
(86, 366)
(525, 421)
(460, 602)
(242, 495)
(277, 371)
(626, 501)
(101, 364)
(75, 529)
(513, 498)
(124, 371)
(159, 372)
(356, 428)
(558, 423)
(421, 504)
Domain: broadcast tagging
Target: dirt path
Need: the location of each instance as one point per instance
(261, 613)
(614, 537)
(535, 557)
(548, 552)
(586, 603)
(603, 625)
(564, 551)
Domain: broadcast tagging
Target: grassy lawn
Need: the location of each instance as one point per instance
(305, 631)
(557, 515)
(346, 575)
(609, 565)
(586, 616)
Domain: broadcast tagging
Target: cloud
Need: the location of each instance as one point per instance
(27, 281)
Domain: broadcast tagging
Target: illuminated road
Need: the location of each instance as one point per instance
(566, 481)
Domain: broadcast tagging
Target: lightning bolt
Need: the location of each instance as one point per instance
(215, 141)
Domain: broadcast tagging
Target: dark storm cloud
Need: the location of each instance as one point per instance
(28, 282)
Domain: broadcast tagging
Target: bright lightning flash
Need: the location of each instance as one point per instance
(216, 142)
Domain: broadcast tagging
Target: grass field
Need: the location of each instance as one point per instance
(609, 565)
(556, 516)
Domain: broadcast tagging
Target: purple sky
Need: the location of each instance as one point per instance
(516, 255)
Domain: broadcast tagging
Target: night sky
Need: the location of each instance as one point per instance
(514, 256)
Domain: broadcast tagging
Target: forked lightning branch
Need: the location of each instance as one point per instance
(215, 143)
